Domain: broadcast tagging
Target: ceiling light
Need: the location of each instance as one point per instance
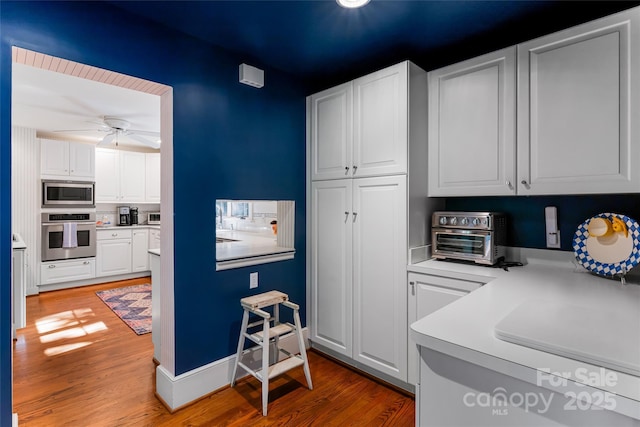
(352, 4)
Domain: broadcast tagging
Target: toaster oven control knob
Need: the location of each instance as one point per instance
(443, 220)
(464, 221)
(475, 222)
(453, 221)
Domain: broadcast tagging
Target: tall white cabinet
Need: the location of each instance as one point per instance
(367, 155)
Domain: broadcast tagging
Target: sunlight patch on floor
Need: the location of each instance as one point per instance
(77, 332)
(65, 348)
(63, 319)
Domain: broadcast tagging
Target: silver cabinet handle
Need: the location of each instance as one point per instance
(525, 183)
(354, 169)
(114, 234)
(86, 262)
(346, 170)
(354, 216)
(346, 215)
(413, 287)
(52, 266)
(509, 185)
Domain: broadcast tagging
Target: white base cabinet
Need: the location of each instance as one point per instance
(113, 252)
(67, 270)
(359, 257)
(140, 250)
(428, 294)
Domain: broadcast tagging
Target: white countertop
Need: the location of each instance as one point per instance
(154, 252)
(17, 242)
(247, 245)
(465, 328)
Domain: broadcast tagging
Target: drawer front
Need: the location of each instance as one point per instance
(113, 234)
(67, 271)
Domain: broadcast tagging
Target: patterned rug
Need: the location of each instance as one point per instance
(131, 304)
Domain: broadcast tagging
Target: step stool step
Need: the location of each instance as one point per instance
(275, 331)
(281, 367)
(264, 299)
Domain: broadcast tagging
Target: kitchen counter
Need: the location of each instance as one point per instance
(248, 249)
(17, 242)
(464, 329)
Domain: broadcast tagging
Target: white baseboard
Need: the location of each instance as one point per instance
(14, 420)
(181, 390)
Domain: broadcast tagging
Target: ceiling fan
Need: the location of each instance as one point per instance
(117, 128)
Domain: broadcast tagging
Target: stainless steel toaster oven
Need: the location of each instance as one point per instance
(471, 236)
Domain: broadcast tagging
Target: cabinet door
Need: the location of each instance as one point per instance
(54, 157)
(578, 108)
(82, 159)
(331, 269)
(140, 250)
(67, 271)
(132, 176)
(472, 127)
(380, 122)
(113, 257)
(331, 133)
(152, 177)
(379, 274)
(154, 239)
(107, 175)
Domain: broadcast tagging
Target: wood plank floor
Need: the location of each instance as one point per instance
(77, 364)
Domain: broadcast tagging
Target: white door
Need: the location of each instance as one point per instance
(331, 133)
(380, 122)
(152, 177)
(331, 269)
(54, 157)
(107, 175)
(132, 176)
(82, 160)
(472, 127)
(113, 257)
(578, 109)
(140, 250)
(379, 273)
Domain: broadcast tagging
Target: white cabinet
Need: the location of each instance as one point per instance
(154, 239)
(152, 177)
(59, 159)
(358, 259)
(113, 252)
(578, 108)
(359, 129)
(472, 126)
(140, 250)
(67, 270)
(428, 294)
(576, 97)
(120, 176)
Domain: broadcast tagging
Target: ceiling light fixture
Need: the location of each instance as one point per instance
(352, 4)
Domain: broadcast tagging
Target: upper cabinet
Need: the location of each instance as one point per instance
(121, 176)
(67, 160)
(576, 98)
(472, 126)
(359, 129)
(152, 177)
(578, 107)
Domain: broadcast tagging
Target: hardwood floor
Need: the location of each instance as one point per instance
(77, 364)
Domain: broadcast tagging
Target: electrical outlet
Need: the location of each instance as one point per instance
(253, 280)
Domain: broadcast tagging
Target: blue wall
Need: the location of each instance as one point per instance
(230, 141)
(525, 215)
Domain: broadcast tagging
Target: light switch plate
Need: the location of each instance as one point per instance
(253, 280)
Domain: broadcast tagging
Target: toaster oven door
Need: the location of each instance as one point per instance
(473, 245)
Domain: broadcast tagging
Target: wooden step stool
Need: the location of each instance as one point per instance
(254, 304)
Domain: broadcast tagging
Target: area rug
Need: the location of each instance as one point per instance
(132, 304)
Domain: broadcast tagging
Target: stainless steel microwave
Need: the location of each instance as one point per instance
(68, 194)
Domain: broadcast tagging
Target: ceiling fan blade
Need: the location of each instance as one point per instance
(77, 130)
(143, 140)
(145, 132)
(107, 139)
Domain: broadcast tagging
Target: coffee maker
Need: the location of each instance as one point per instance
(124, 215)
(134, 215)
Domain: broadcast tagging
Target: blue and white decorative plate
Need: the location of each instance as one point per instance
(608, 256)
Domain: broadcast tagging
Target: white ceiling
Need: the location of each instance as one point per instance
(65, 106)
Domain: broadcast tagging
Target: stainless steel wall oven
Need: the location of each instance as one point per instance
(54, 244)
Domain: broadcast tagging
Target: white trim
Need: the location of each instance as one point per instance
(14, 419)
(178, 391)
(262, 259)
